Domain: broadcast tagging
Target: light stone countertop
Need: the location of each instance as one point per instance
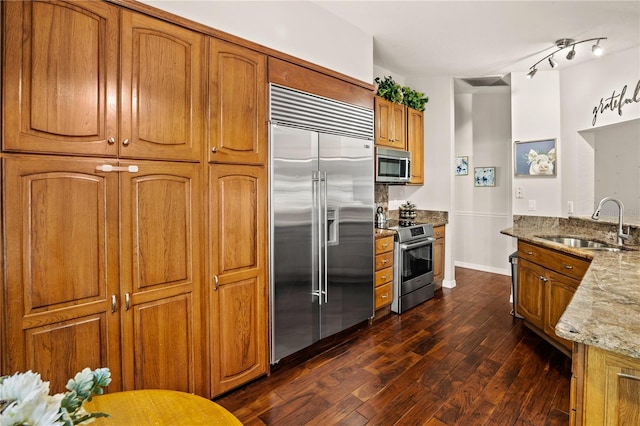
(605, 310)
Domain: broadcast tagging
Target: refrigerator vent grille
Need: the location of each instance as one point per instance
(316, 113)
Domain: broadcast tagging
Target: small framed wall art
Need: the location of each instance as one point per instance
(484, 176)
(535, 158)
(462, 166)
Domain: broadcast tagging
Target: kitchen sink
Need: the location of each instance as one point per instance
(581, 243)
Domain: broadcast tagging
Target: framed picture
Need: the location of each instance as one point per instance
(535, 158)
(462, 166)
(484, 176)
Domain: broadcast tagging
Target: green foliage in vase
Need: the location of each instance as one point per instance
(389, 89)
(414, 99)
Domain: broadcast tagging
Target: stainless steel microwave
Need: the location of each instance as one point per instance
(393, 165)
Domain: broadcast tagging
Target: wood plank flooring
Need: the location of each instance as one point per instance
(457, 359)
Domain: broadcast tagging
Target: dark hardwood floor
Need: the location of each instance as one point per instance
(457, 359)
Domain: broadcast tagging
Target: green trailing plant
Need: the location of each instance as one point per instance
(414, 99)
(389, 89)
(392, 91)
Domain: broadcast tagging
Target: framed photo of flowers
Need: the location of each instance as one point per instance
(535, 158)
(462, 166)
(484, 176)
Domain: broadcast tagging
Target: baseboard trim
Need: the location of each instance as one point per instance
(483, 268)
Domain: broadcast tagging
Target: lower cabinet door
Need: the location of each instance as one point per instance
(238, 284)
(163, 334)
(558, 293)
(531, 292)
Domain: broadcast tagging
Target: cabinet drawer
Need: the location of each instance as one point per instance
(438, 232)
(384, 294)
(384, 276)
(384, 260)
(384, 244)
(559, 262)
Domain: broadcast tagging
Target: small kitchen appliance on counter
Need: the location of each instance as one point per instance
(413, 281)
(381, 218)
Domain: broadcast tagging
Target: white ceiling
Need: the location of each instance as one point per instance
(482, 38)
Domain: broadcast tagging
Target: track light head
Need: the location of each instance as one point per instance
(596, 49)
(572, 53)
(552, 62)
(531, 73)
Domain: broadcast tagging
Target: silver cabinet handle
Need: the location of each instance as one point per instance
(114, 303)
(111, 140)
(530, 253)
(564, 265)
(214, 149)
(125, 142)
(385, 261)
(127, 301)
(543, 279)
(216, 282)
(109, 168)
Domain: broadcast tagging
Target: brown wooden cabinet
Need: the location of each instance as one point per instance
(77, 276)
(390, 124)
(415, 145)
(438, 253)
(238, 275)
(605, 388)
(103, 264)
(64, 82)
(547, 280)
(384, 271)
(238, 102)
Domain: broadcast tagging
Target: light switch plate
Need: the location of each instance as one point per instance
(532, 205)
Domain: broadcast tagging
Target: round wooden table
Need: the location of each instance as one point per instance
(158, 407)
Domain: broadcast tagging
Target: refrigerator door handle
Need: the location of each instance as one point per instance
(316, 254)
(325, 234)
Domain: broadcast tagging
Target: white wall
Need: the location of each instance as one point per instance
(581, 89)
(483, 133)
(301, 29)
(535, 115)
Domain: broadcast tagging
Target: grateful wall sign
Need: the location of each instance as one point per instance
(616, 101)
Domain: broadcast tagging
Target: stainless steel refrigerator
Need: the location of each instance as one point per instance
(322, 210)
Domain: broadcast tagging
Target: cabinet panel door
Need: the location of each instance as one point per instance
(531, 292)
(398, 118)
(559, 291)
(61, 267)
(415, 144)
(238, 104)
(161, 223)
(238, 224)
(162, 90)
(383, 122)
(438, 259)
(60, 77)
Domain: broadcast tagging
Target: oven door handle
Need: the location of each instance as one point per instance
(405, 246)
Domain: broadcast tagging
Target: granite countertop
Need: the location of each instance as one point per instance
(381, 232)
(605, 309)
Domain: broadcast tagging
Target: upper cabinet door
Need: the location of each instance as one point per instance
(60, 77)
(390, 124)
(162, 70)
(238, 104)
(415, 144)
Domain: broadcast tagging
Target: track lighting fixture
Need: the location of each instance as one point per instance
(564, 43)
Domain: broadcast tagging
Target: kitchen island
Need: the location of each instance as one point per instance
(602, 319)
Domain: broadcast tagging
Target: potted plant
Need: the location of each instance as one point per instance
(389, 89)
(414, 99)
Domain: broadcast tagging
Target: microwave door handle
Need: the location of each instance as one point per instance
(408, 169)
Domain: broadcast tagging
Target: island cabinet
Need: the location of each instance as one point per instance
(438, 253)
(238, 270)
(384, 271)
(390, 124)
(605, 388)
(415, 145)
(547, 280)
(102, 241)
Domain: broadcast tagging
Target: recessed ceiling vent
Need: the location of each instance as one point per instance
(489, 81)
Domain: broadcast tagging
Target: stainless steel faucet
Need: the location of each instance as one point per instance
(596, 215)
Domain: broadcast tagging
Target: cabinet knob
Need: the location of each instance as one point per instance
(385, 261)
(384, 245)
(214, 149)
(384, 277)
(125, 142)
(384, 296)
(530, 253)
(111, 140)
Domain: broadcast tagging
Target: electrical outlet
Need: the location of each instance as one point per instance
(532, 205)
(519, 193)
(569, 207)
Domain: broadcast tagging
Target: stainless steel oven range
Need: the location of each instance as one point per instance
(413, 281)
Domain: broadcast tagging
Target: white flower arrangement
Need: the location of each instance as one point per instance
(25, 399)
